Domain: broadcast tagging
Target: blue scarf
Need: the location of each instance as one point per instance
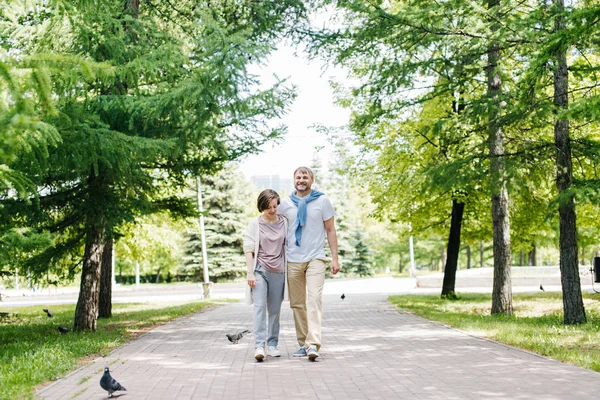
(301, 203)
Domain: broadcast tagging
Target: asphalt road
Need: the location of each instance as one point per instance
(178, 293)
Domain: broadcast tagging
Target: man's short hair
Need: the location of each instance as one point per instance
(265, 197)
(306, 170)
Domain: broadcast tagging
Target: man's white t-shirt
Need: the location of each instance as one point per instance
(312, 245)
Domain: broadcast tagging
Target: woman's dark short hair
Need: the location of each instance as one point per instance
(265, 197)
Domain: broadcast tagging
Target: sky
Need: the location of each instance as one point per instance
(313, 105)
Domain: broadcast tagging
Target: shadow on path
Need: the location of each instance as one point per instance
(370, 350)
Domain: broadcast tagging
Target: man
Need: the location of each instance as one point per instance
(311, 221)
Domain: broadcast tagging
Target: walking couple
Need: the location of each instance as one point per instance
(285, 244)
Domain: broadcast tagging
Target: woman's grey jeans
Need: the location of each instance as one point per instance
(268, 296)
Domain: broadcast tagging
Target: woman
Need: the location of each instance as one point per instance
(264, 247)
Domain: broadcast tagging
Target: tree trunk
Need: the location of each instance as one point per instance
(502, 291)
(157, 280)
(448, 287)
(532, 256)
(468, 257)
(86, 311)
(105, 299)
(574, 312)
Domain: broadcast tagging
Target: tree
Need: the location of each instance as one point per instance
(106, 278)
(552, 100)
(574, 312)
(361, 263)
(436, 158)
(502, 290)
(339, 188)
(155, 242)
(448, 285)
(177, 100)
(227, 200)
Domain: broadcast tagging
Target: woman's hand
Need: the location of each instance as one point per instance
(251, 281)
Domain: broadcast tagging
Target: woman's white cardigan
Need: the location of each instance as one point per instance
(251, 243)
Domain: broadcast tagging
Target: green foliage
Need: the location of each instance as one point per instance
(120, 105)
(42, 353)
(451, 296)
(420, 111)
(226, 199)
(336, 187)
(18, 244)
(156, 242)
(361, 263)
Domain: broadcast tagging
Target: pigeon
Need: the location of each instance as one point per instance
(542, 288)
(234, 338)
(63, 330)
(343, 296)
(48, 312)
(109, 384)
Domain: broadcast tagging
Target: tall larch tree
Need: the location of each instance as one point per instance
(177, 100)
(502, 286)
(574, 312)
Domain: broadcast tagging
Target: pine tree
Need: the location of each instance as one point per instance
(226, 201)
(339, 190)
(361, 263)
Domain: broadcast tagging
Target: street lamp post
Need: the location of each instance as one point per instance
(413, 272)
(206, 283)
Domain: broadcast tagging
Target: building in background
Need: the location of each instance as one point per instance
(282, 186)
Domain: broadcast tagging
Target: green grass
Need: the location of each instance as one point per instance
(33, 351)
(537, 323)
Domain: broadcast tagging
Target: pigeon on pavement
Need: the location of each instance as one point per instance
(109, 384)
(63, 330)
(542, 288)
(343, 296)
(48, 312)
(235, 337)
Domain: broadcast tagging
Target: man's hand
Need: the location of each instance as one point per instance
(335, 267)
(251, 281)
(333, 244)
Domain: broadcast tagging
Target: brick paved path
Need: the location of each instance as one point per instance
(370, 351)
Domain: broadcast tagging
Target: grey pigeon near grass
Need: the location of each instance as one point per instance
(63, 330)
(109, 384)
(542, 288)
(235, 337)
(48, 312)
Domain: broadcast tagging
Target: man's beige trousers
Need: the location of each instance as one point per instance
(305, 282)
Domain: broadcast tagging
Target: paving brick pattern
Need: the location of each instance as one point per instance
(370, 351)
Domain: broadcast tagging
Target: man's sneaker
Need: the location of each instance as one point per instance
(273, 351)
(312, 353)
(259, 353)
(301, 352)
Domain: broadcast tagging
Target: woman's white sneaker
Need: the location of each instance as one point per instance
(273, 351)
(259, 353)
